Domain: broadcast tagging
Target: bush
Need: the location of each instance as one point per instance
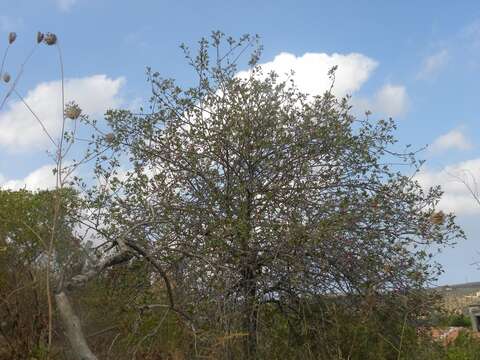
(460, 320)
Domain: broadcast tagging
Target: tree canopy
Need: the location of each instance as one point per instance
(243, 192)
(237, 217)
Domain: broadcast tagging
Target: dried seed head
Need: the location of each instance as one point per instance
(437, 218)
(109, 138)
(6, 77)
(72, 111)
(11, 37)
(40, 37)
(50, 39)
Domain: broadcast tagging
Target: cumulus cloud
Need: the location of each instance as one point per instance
(41, 178)
(354, 69)
(454, 139)
(390, 100)
(433, 64)
(452, 178)
(21, 131)
(311, 71)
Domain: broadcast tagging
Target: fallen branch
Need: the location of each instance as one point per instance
(73, 329)
(70, 321)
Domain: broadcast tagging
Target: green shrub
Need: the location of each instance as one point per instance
(460, 320)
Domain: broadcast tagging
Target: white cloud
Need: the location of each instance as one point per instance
(456, 197)
(42, 178)
(454, 139)
(311, 71)
(390, 100)
(433, 64)
(65, 5)
(354, 69)
(21, 131)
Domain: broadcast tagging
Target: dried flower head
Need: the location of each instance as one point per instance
(109, 138)
(72, 111)
(40, 37)
(11, 37)
(6, 77)
(50, 39)
(437, 218)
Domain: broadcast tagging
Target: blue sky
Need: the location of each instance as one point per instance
(416, 61)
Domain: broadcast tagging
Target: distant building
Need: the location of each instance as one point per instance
(474, 312)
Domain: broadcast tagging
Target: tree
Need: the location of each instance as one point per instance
(25, 224)
(244, 192)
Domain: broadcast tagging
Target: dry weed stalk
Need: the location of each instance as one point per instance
(62, 146)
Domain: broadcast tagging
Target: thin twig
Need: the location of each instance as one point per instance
(35, 116)
(22, 67)
(4, 58)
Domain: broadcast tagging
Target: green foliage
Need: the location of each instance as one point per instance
(254, 222)
(465, 347)
(25, 230)
(460, 320)
(443, 319)
(246, 191)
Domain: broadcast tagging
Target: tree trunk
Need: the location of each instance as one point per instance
(249, 280)
(73, 329)
(250, 312)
